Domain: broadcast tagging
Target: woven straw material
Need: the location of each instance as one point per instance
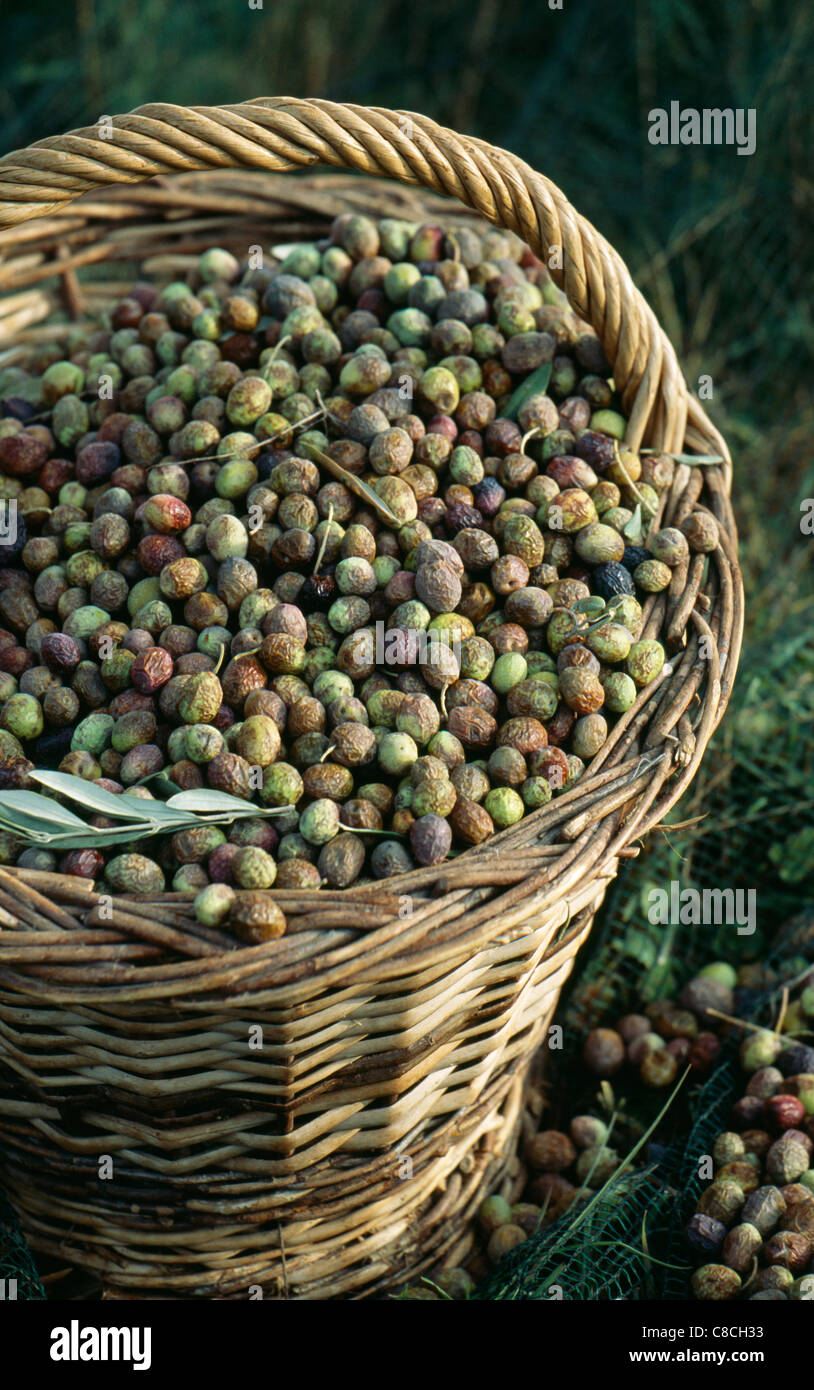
(398, 1019)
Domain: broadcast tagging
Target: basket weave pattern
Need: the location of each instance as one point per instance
(321, 1115)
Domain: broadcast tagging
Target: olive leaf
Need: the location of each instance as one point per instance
(27, 826)
(532, 386)
(204, 799)
(351, 481)
(587, 615)
(40, 820)
(149, 810)
(161, 783)
(633, 529)
(35, 804)
(594, 604)
(693, 459)
(130, 835)
(93, 798)
(689, 459)
(32, 817)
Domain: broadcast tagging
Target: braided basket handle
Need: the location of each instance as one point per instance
(283, 133)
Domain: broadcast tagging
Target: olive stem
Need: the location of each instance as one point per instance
(279, 345)
(530, 434)
(646, 508)
(584, 623)
(249, 449)
(370, 830)
(323, 547)
(751, 1027)
(692, 460)
(328, 413)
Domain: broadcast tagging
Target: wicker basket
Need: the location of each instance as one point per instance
(398, 1020)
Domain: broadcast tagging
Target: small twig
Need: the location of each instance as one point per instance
(71, 287)
(645, 505)
(278, 347)
(583, 622)
(530, 434)
(681, 824)
(752, 1273)
(248, 449)
(752, 1027)
(324, 544)
(328, 413)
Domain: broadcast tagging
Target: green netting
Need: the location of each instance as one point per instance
(711, 1108)
(601, 1256)
(794, 944)
(620, 1245)
(18, 1273)
(746, 823)
(631, 1243)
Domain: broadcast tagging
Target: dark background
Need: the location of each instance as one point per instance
(720, 243)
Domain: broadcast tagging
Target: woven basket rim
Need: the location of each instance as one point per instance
(282, 133)
(387, 1035)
